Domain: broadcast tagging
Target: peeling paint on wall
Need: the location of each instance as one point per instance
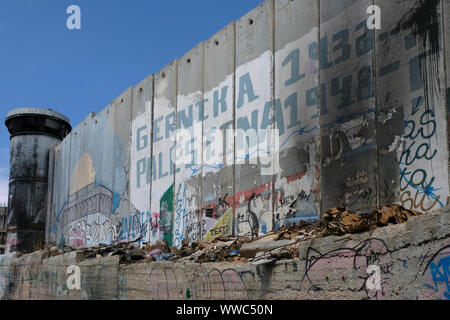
(360, 114)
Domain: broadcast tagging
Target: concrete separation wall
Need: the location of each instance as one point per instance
(406, 261)
(361, 114)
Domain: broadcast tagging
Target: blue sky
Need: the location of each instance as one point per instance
(45, 65)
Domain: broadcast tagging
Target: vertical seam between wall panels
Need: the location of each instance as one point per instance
(128, 174)
(113, 147)
(319, 93)
(377, 128)
(68, 189)
(273, 115)
(174, 148)
(152, 108)
(233, 220)
(49, 196)
(446, 91)
(50, 202)
(201, 155)
(200, 177)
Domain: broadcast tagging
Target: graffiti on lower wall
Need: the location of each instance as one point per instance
(347, 268)
(213, 221)
(250, 209)
(99, 229)
(436, 276)
(364, 270)
(167, 283)
(166, 207)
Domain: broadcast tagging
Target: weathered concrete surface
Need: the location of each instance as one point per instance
(254, 110)
(347, 118)
(411, 260)
(187, 189)
(218, 166)
(33, 132)
(411, 107)
(252, 248)
(7, 273)
(163, 165)
(99, 278)
(140, 158)
(91, 197)
(445, 20)
(297, 187)
(121, 117)
(362, 117)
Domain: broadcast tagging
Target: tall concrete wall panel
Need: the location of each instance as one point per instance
(140, 162)
(94, 196)
(254, 114)
(61, 185)
(50, 192)
(347, 118)
(218, 147)
(411, 93)
(446, 23)
(87, 214)
(163, 166)
(186, 193)
(121, 155)
(296, 110)
(392, 77)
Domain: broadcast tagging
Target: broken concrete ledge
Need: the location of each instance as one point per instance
(251, 249)
(393, 262)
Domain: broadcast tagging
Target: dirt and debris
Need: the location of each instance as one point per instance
(280, 244)
(340, 221)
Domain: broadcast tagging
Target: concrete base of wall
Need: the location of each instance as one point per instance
(407, 261)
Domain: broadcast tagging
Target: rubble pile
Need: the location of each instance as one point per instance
(280, 244)
(339, 221)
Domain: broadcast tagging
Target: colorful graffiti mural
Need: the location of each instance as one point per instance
(436, 276)
(194, 167)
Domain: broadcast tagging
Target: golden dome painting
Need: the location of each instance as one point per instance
(83, 175)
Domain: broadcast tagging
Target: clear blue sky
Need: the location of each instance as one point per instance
(45, 65)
